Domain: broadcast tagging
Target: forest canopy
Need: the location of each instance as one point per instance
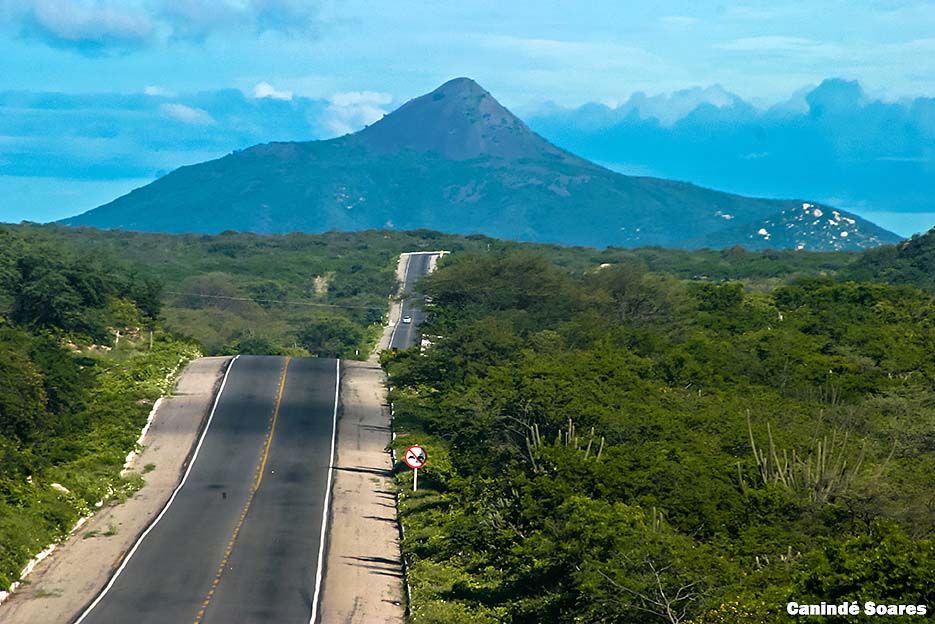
(621, 446)
(616, 435)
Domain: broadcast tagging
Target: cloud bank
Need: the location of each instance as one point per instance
(188, 115)
(95, 27)
(90, 26)
(348, 112)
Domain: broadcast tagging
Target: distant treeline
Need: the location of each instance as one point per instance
(615, 445)
(325, 294)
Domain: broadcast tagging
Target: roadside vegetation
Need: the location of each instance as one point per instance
(326, 294)
(604, 426)
(620, 445)
(79, 373)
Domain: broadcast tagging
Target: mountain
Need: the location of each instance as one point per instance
(453, 160)
(832, 140)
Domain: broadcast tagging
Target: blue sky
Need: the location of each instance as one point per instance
(100, 96)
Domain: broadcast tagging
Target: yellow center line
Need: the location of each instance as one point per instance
(260, 469)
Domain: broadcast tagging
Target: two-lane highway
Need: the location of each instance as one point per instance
(240, 540)
(406, 335)
(272, 572)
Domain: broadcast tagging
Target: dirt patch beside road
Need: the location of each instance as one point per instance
(364, 576)
(64, 582)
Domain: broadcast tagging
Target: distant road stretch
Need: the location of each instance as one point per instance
(406, 335)
(236, 546)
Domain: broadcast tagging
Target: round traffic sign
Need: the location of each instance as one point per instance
(415, 457)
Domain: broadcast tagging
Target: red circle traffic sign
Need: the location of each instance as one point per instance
(415, 457)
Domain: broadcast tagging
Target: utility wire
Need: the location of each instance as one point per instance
(303, 303)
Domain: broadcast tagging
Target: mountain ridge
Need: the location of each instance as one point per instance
(454, 160)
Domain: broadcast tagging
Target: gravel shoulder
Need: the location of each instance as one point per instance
(64, 582)
(363, 580)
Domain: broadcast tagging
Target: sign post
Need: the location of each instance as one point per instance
(415, 458)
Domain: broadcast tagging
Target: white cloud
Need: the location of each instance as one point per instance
(187, 114)
(285, 15)
(196, 19)
(350, 111)
(669, 108)
(761, 13)
(96, 26)
(357, 98)
(266, 90)
(569, 51)
(87, 25)
(157, 91)
(561, 63)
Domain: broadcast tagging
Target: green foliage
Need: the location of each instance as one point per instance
(909, 262)
(597, 462)
(883, 565)
(330, 337)
(226, 291)
(70, 410)
(536, 356)
(251, 345)
(240, 284)
(81, 446)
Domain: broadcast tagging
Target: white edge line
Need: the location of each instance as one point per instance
(324, 513)
(126, 560)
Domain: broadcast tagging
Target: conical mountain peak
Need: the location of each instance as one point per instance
(459, 120)
(461, 85)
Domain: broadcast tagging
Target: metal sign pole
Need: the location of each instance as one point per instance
(415, 479)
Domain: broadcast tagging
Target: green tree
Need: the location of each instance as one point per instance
(330, 337)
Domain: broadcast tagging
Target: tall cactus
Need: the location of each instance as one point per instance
(568, 438)
(826, 470)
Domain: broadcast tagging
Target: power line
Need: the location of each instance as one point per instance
(283, 301)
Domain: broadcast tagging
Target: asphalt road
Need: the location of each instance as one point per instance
(232, 548)
(406, 335)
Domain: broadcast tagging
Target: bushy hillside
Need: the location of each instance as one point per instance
(910, 262)
(623, 447)
(78, 376)
(247, 293)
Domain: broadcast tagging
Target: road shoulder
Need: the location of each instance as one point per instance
(364, 578)
(67, 580)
